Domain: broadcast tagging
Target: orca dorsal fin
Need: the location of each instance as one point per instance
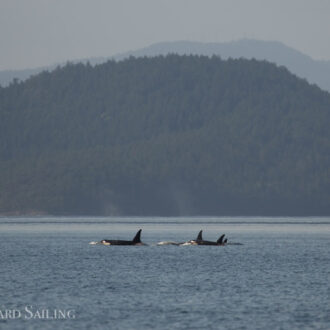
(219, 241)
(199, 236)
(137, 238)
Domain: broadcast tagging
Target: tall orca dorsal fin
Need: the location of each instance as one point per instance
(199, 236)
(137, 238)
(219, 241)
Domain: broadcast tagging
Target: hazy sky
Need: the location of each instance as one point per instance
(41, 32)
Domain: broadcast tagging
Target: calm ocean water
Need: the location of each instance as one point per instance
(52, 278)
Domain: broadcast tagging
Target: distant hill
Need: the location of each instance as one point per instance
(316, 72)
(174, 135)
(8, 76)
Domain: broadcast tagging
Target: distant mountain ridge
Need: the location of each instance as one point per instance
(315, 71)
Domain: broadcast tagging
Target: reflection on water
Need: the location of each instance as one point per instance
(151, 225)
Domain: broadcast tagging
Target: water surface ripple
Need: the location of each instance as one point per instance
(279, 278)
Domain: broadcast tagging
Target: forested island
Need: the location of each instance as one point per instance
(168, 135)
